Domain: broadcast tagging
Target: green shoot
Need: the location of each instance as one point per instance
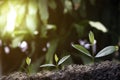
(28, 62)
(104, 52)
(58, 62)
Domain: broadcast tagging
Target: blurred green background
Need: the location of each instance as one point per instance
(41, 28)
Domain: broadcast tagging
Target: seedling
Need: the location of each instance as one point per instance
(28, 62)
(58, 62)
(104, 52)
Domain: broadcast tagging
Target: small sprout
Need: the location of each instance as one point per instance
(104, 52)
(58, 62)
(56, 58)
(28, 61)
(91, 38)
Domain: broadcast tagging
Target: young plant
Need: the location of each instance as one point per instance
(58, 62)
(104, 52)
(28, 62)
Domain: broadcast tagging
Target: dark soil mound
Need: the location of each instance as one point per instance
(108, 70)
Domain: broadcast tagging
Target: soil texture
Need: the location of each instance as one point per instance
(107, 70)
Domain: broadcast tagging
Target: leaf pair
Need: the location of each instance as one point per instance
(58, 62)
(104, 52)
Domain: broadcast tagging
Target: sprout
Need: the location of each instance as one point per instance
(104, 52)
(59, 62)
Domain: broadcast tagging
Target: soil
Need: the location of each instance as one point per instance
(107, 70)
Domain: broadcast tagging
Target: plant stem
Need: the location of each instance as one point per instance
(57, 67)
(29, 69)
(93, 59)
(93, 53)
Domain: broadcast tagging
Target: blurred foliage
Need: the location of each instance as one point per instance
(41, 28)
(24, 19)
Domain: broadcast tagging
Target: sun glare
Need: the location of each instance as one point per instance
(11, 18)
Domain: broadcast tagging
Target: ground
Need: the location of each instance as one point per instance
(107, 70)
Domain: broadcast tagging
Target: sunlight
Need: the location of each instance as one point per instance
(11, 17)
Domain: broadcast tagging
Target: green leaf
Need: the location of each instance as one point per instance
(31, 18)
(63, 59)
(106, 51)
(28, 61)
(31, 23)
(32, 7)
(82, 49)
(98, 25)
(56, 58)
(91, 37)
(20, 14)
(43, 10)
(47, 65)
